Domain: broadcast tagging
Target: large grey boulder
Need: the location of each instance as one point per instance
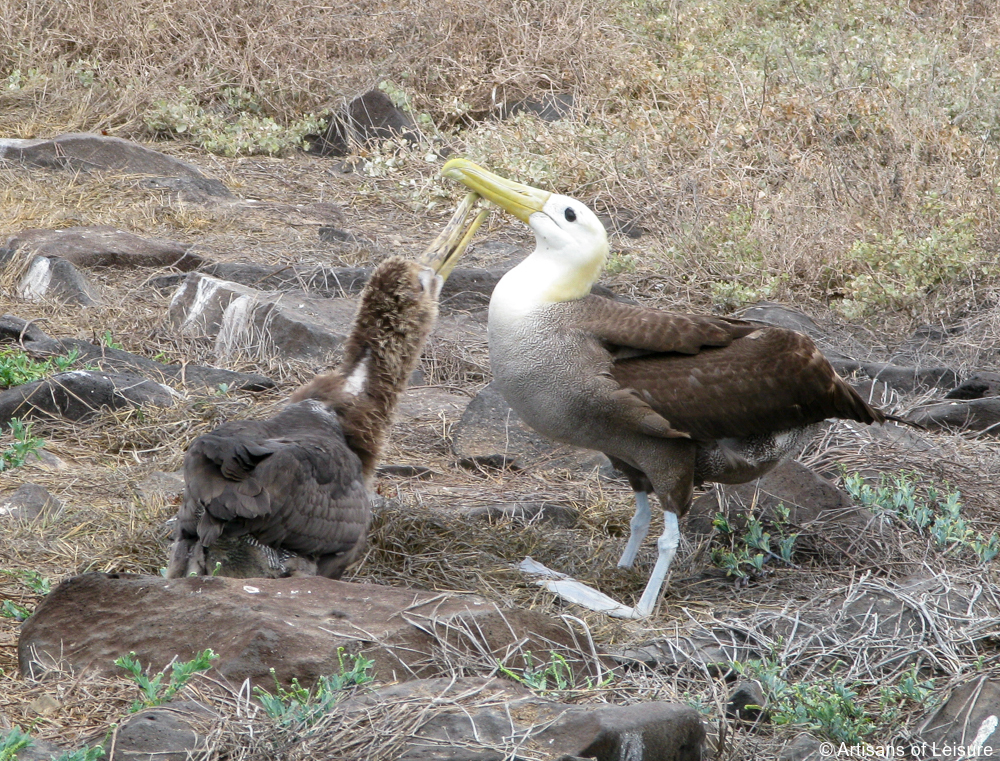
(968, 719)
(239, 318)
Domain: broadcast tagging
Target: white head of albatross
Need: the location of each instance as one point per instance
(674, 400)
(571, 244)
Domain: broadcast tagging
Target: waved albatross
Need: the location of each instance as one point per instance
(674, 400)
(293, 489)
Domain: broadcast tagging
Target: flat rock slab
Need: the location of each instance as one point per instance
(970, 415)
(968, 719)
(100, 247)
(238, 318)
(490, 434)
(80, 394)
(494, 720)
(88, 152)
(294, 626)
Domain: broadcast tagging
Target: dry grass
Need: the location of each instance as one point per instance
(758, 144)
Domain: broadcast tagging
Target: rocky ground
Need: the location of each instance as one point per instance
(180, 290)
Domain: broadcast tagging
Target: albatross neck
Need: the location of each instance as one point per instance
(539, 281)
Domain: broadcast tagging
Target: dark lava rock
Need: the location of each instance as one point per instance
(747, 702)
(972, 415)
(15, 329)
(87, 152)
(910, 379)
(101, 247)
(549, 107)
(823, 515)
(490, 434)
(80, 394)
(501, 714)
(368, 119)
(294, 626)
(55, 279)
(30, 502)
(782, 317)
(39, 750)
(977, 386)
(804, 747)
(967, 718)
(175, 731)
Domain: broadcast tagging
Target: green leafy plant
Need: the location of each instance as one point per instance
(154, 691)
(556, 675)
(744, 555)
(16, 367)
(898, 270)
(35, 582)
(831, 706)
(108, 340)
(926, 509)
(235, 125)
(11, 742)
(22, 445)
(15, 740)
(302, 706)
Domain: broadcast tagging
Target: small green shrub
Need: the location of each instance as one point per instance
(15, 740)
(898, 270)
(302, 706)
(16, 367)
(235, 126)
(21, 446)
(744, 555)
(154, 692)
(544, 678)
(925, 509)
(832, 707)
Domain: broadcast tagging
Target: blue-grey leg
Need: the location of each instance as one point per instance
(666, 546)
(639, 526)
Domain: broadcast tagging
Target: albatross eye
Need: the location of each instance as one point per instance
(570, 215)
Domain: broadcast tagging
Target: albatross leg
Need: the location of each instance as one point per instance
(639, 526)
(666, 546)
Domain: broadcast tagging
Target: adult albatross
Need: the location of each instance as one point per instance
(293, 489)
(674, 400)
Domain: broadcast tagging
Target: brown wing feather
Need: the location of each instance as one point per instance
(624, 327)
(769, 380)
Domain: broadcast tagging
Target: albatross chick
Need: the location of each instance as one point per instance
(674, 400)
(290, 493)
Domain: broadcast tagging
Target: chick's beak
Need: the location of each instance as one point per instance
(520, 200)
(443, 254)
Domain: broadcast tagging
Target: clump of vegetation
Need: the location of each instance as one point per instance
(237, 127)
(22, 445)
(154, 691)
(305, 707)
(35, 582)
(934, 513)
(15, 740)
(743, 555)
(556, 675)
(831, 706)
(898, 270)
(17, 368)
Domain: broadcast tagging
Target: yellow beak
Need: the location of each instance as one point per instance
(443, 254)
(520, 200)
